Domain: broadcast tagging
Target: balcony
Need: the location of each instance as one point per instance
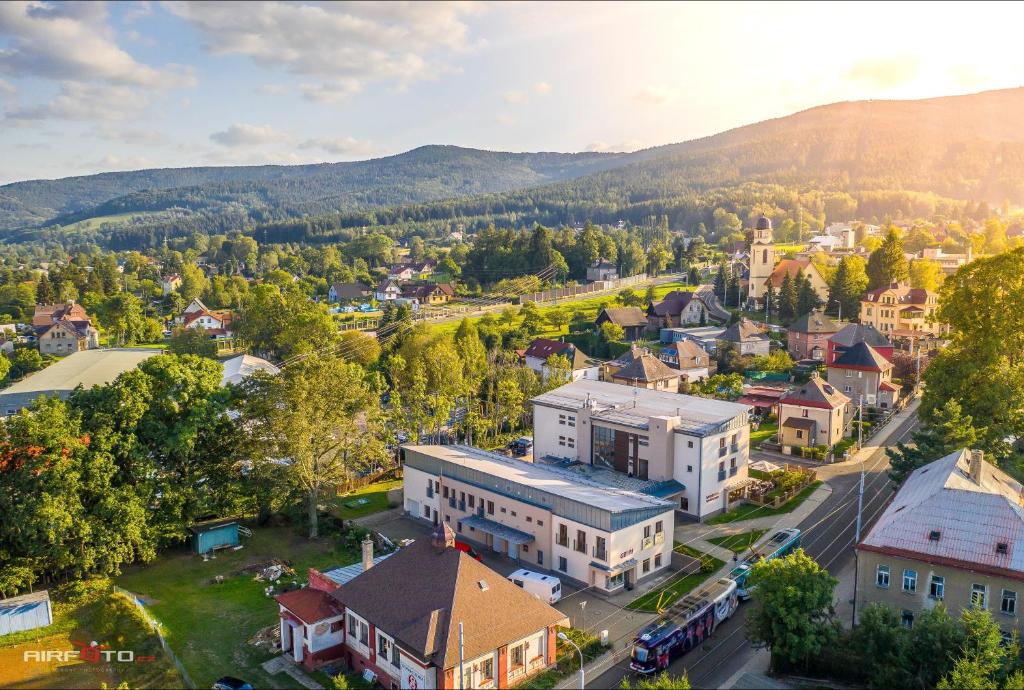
(734, 448)
(723, 451)
(600, 553)
(732, 471)
(659, 538)
(480, 511)
(462, 504)
(647, 543)
(721, 475)
(562, 540)
(451, 502)
(430, 492)
(579, 546)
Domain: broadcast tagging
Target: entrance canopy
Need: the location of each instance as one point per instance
(509, 534)
(617, 568)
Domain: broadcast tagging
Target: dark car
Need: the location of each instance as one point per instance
(231, 683)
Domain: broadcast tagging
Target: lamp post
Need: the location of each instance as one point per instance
(565, 638)
(583, 615)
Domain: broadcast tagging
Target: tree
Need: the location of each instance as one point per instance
(662, 681)
(361, 348)
(985, 662)
(787, 299)
(558, 318)
(723, 386)
(806, 296)
(848, 285)
(611, 332)
(926, 274)
(121, 314)
(192, 341)
(24, 361)
(44, 290)
(882, 642)
(888, 263)
(995, 236)
(193, 282)
(628, 297)
(721, 283)
(943, 431)
(792, 613)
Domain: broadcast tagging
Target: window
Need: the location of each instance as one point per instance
(613, 581)
(659, 527)
(490, 507)
(647, 531)
(562, 538)
(910, 581)
(689, 444)
(563, 564)
(849, 374)
(657, 561)
(540, 557)
(458, 526)
(384, 647)
(540, 523)
(799, 433)
(805, 412)
(689, 468)
(518, 656)
(600, 548)
(426, 512)
(907, 619)
(462, 496)
(882, 576)
(503, 509)
(472, 501)
(934, 535)
(581, 541)
(529, 519)
(937, 587)
(487, 670)
(1009, 603)
(721, 442)
(847, 389)
(684, 503)
(445, 492)
(647, 565)
(526, 548)
(513, 513)
(1002, 548)
(978, 593)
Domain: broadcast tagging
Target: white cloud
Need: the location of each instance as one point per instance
(77, 101)
(330, 92)
(886, 72)
(505, 120)
(542, 88)
(342, 146)
(72, 41)
(351, 44)
(515, 96)
(129, 135)
(658, 94)
(244, 134)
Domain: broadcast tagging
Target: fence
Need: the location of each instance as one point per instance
(575, 290)
(775, 501)
(156, 626)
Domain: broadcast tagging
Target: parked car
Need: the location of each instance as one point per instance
(463, 546)
(521, 446)
(547, 588)
(365, 306)
(232, 683)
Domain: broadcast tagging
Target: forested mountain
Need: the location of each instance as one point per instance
(423, 174)
(835, 162)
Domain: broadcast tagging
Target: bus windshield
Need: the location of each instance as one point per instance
(640, 653)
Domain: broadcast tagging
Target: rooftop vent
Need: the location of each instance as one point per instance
(483, 585)
(1002, 548)
(934, 535)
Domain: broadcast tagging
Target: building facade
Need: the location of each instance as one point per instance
(580, 525)
(808, 336)
(951, 534)
(762, 261)
(861, 373)
(813, 414)
(698, 448)
(899, 310)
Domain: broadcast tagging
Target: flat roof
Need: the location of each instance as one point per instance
(545, 478)
(631, 406)
(86, 368)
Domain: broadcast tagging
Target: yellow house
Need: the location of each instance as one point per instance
(900, 311)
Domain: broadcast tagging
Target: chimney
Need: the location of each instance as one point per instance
(367, 554)
(977, 463)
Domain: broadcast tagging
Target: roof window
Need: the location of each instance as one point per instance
(483, 585)
(934, 535)
(1002, 548)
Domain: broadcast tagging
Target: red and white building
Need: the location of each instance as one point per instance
(399, 619)
(197, 315)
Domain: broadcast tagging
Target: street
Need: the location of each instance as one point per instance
(828, 534)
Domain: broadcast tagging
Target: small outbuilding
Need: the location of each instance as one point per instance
(214, 534)
(25, 612)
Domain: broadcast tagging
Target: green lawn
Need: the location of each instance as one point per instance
(208, 625)
(739, 543)
(374, 495)
(748, 511)
(676, 587)
(766, 431)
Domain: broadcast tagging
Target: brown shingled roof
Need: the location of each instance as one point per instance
(310, 605)
(421, 594)
(816, 393)
(646, 368)
(624, 316)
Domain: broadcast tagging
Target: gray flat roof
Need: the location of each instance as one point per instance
(86, 368)
(629, 406)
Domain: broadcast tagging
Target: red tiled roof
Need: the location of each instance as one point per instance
(542, 348)
(310, 605)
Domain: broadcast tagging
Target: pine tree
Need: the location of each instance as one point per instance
(771, 298)
(787, 299)
(720, 283)
(806, 297)
(44, 291)
(888, 264)
(946, 430)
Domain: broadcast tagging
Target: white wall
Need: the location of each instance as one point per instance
(415, 487)
(326, 639)
(547, 430)
(622, 545)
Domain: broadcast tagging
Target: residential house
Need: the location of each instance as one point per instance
(764, 399)
(602, 270)
(812, 414)
(419, 617)
(631, 320)
(678, 308)
(61, 329)
(612, 366)
(536, 358)
(697, 448)
(844, 233)
(169, 284)
(902, 312)
(747, 338)
(705, 336)
(689, 358)
(948, 262)
(347, 292)
(429, 294)
(792, 267)
(387, 290)
(853, 333)
(413, 271)
(647, 371)
(809, 334)
(953, 533)
(593, 527)
(216, 322)
(861, 371)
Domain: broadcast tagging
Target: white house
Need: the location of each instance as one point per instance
(695, 449)
(536, 357)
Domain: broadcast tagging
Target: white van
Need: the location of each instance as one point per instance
(545, 587)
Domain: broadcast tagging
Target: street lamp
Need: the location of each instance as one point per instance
(583, 614)
(565, 638)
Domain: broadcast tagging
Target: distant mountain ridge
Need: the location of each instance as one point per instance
(961, 147)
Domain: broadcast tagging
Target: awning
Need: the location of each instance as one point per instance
(665, 489)
(799, 423)
(509, 534)
(616, 569)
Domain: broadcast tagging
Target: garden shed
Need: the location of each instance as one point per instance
(25, 612)
(213, 534)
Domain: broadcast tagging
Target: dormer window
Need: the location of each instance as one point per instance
(1002, 548)
(934, 535)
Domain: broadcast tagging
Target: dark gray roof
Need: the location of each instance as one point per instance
(623, 316)
(815, 322)
(646, 368)
(744, 331)
(862, 356)
(853, 333)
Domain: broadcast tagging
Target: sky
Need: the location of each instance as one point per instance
(93, 87)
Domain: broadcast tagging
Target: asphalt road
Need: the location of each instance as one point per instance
(828, 535)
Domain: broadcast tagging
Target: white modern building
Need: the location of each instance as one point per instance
(697, 447)
(592, 526)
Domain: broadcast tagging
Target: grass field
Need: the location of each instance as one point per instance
(116, 218)
(737, 543)
(207, 624)
(676, 587)
(375, 495)
(87, 612)
(748, 511)
(767, 431)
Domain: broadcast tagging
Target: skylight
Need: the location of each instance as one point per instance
(483, 585)
(934, 535)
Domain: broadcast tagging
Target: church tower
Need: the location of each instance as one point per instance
(762, 260)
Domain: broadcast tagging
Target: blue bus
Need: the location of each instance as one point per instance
(773, 545)
(683, 626)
